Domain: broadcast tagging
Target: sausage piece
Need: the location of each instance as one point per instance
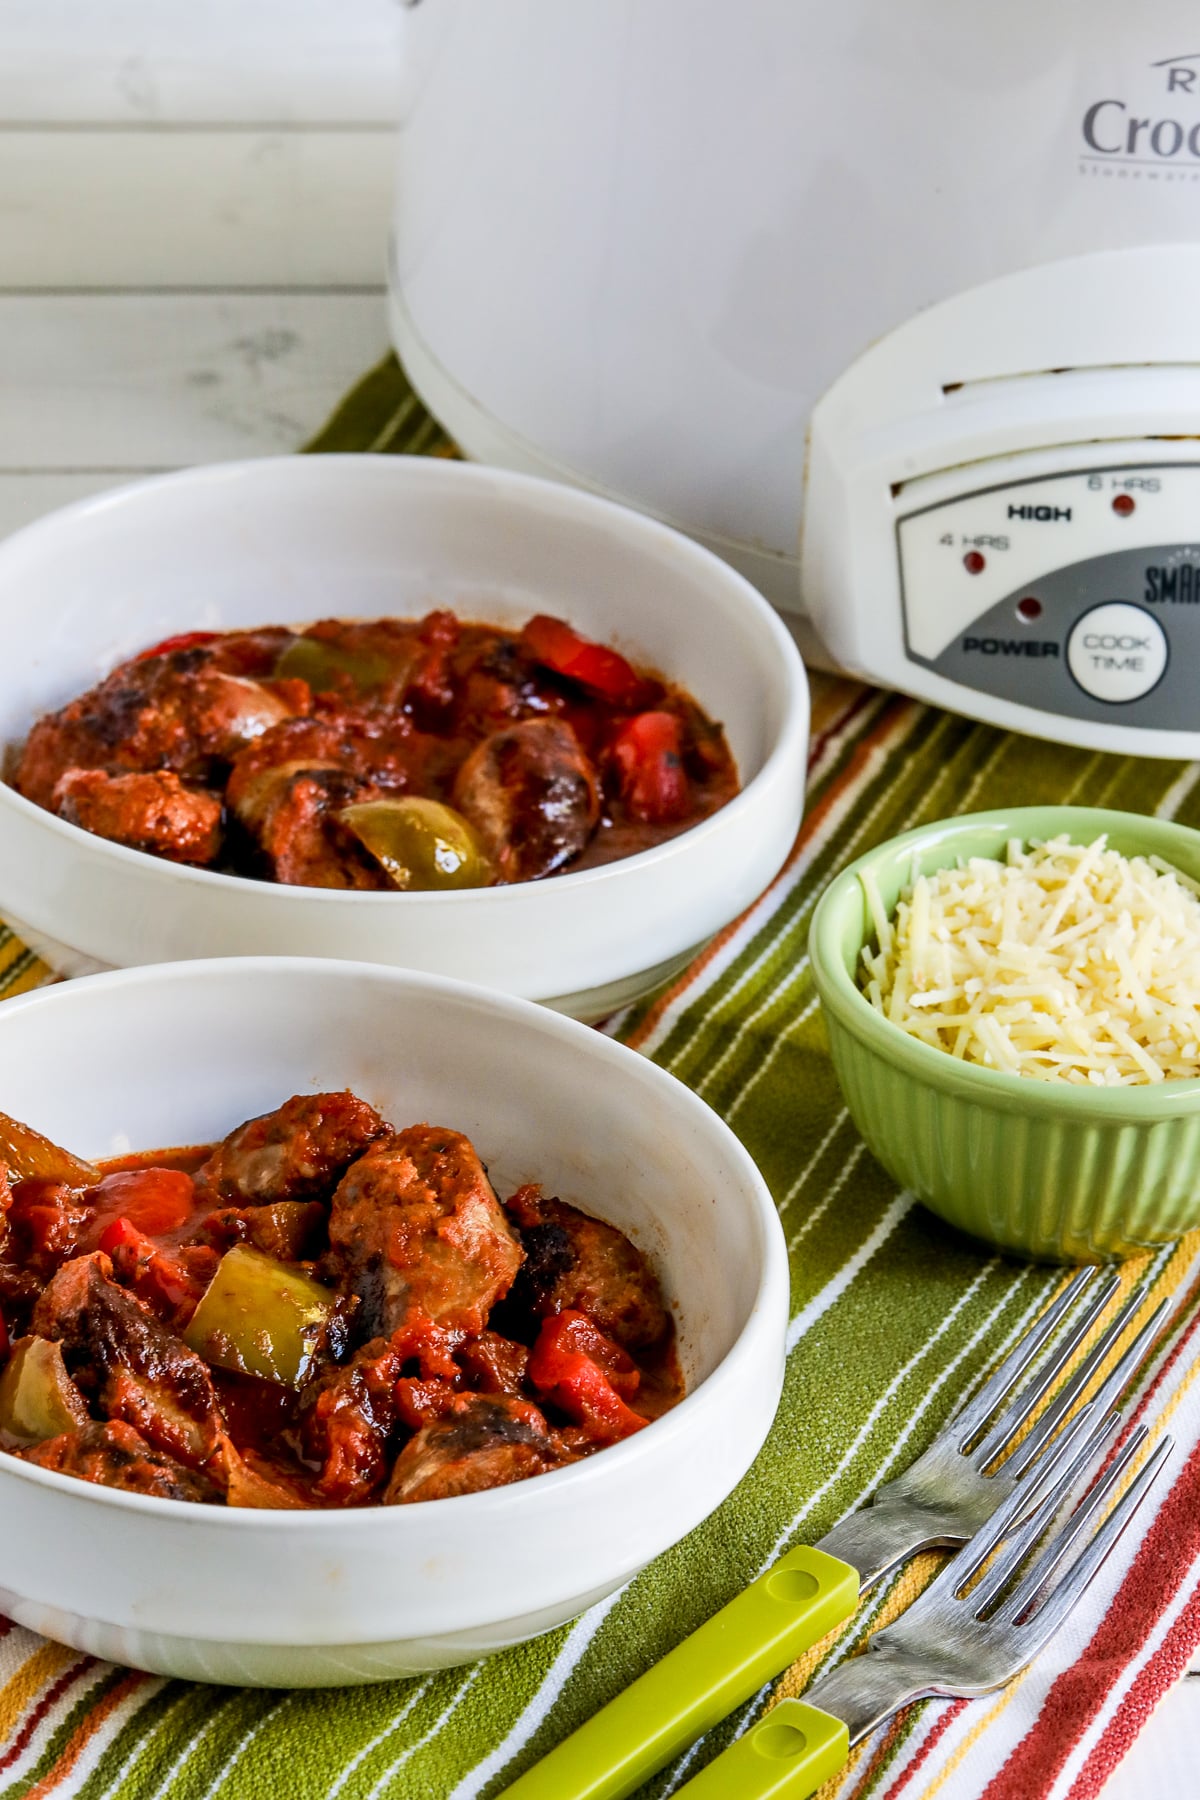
(486, 1441)
(296, 1152)
(287, 789)
(579, 1264)
(225, 712)
(173, 712)
(116, 1455)
(140, 1371)
(155, 812)
(421, 1234)
(532, 795)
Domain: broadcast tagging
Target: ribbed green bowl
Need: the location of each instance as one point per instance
(1058, 1172)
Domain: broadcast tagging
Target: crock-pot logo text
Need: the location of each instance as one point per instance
(1162, 132)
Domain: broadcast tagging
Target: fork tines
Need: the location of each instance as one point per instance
(1036, 1596)
(1096, 1287)
(1043, 1597)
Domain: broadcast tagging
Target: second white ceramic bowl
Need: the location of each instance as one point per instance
(181, 1054)
(300, 538)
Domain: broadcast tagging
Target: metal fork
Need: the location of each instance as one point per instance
(962, 1637)
(952, 1489)
(943, 1499)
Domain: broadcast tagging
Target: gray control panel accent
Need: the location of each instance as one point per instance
(1142, 652)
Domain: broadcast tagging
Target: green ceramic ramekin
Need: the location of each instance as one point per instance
(1058, 1172)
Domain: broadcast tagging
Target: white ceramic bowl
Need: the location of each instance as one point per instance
(300, 538)
(181, 1054)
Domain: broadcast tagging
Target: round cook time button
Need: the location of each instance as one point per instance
(1117, 652)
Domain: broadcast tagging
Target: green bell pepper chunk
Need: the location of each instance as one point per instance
(38, 1399)
(422, 845)
(259, 1317)
(325, 666)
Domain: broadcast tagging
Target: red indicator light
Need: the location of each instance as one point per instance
(1029, 608)
(974, 563)
(1123, 504)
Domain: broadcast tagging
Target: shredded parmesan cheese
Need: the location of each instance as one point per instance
(1066, 962)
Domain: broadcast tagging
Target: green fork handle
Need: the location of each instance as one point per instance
(786, 1756)
(720, 1666)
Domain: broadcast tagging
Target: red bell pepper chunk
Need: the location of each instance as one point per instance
(647, 753)
(574, 1332)
(580, 1370)
(4, 1338)
(432, 1345)
(157, 1201)
(183, 640)
(601, 670)
(121, 1240)
(169, 1287)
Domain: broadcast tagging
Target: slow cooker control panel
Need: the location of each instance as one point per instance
(1075, 592)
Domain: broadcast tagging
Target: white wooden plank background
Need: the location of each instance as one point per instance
(193, 224)
(141, 381)
(303, 62)
(193, 209)
(193, 220)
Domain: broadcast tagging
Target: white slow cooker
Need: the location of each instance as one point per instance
(897, 307)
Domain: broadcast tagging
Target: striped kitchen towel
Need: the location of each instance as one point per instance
(893, 1319)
